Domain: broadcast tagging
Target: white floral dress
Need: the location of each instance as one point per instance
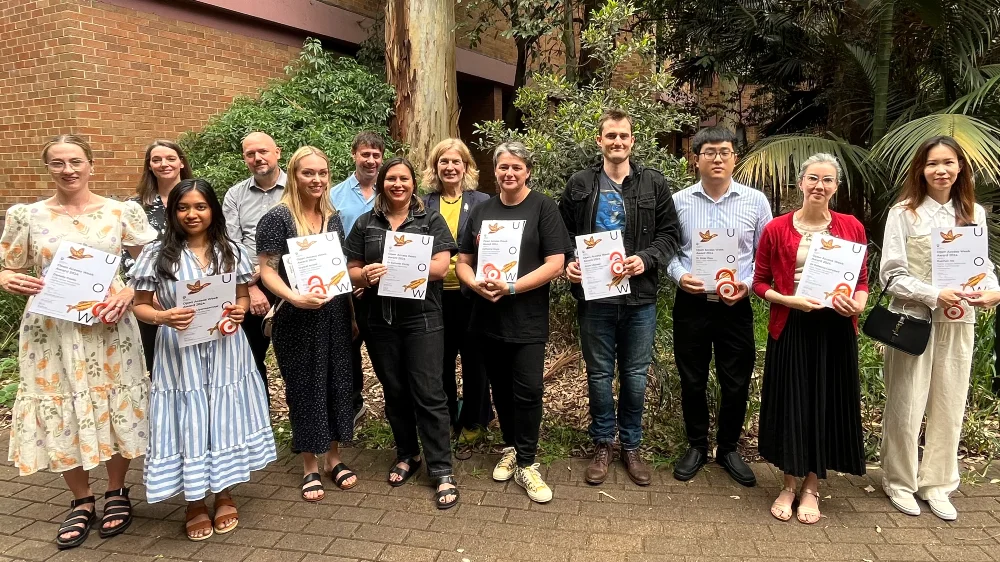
(84, 392)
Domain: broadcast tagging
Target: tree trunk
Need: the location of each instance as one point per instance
(569, 41)
(512, 117)
(420, 66)
(883, 59)
(588, 68)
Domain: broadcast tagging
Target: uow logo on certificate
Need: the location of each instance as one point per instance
(319, 265)
(76, 284)
(602, 262)
(499, 250)
(407, 259)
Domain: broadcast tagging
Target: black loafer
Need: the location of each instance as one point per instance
(738, 469)
(690, 464)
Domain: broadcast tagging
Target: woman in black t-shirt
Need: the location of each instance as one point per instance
(514, 317)
(406, 336)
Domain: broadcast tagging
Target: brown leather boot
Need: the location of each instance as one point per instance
(637, 470)
(597, 472)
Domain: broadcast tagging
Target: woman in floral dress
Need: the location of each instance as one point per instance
(84, 392)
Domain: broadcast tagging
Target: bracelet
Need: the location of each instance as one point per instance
(156, 318)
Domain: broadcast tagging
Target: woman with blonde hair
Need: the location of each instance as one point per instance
(451, 176)
(164, 166)
(311, 334)
(939, 192)
(810, 402)
(84, 393)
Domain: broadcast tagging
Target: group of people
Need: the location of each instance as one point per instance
(201, 417)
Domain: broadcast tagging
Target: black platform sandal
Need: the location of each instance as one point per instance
(116, 510)
(405, 474)
(441, 494)
(73, 521)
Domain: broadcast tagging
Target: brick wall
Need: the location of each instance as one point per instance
(120, 77)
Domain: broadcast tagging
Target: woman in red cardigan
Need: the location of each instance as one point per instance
(810, 411)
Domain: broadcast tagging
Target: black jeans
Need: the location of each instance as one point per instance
(358, 374)
(477, 410)
(409, 367)
(699, 326)
(253, 327)
(515, 373)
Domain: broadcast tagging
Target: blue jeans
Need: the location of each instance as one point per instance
(609, 332)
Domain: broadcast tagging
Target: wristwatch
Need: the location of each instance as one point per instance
(510, 288)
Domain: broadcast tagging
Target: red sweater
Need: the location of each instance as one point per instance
(775, 261)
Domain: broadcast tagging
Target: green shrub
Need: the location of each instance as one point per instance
(324, 101)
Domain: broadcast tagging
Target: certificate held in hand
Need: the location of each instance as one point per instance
(76, 284)
(602, 262)
(832, 267)
(959, 258)
(208, 297)
(319, 265)
(499, 250)
(407, 259)
(714, 254)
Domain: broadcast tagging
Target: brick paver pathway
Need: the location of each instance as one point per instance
(709, 518)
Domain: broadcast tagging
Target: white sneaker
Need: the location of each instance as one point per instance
(943, 509)
(504, 470)
(906, 504)
(529, 479)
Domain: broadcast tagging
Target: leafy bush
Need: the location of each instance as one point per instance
(11, 307)
(561, 117)
(324, 101)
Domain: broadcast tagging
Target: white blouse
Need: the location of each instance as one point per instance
(912, 283)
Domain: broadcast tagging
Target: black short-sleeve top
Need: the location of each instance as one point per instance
(523, 317)
(366, 242)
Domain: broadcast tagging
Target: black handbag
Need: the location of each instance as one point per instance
(895, 329)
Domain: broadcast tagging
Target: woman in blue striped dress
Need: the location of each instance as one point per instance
(209, 424)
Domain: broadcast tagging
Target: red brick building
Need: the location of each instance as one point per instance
(123, 72)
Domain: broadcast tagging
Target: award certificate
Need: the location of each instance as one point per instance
(714, 253)
(602, 261)
(208, 297)
(832, 267)
(499, 250)
(959, 258)
(407, 258)
(76, 284)
(319, 264)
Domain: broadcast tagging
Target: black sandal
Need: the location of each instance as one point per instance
(341, 467)
(312, 477)
(116, 510)
(72, 523)
(441, 494)
(405, 474)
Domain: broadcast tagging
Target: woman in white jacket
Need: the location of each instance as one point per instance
(939, 193)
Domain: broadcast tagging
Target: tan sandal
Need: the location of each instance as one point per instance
(808, 511)
(206, 525)
(786, 510)
(218, 519)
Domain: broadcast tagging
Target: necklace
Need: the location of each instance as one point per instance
(452, 201)
(76, 218)
(198, 260)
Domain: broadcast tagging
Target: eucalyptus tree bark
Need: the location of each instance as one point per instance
(883, 60)
(569, 41)
(420, 66)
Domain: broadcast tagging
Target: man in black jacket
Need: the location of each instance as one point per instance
(617, 194)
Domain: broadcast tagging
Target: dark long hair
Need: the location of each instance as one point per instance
(963, 192)
(381, 204)
(147, 183)
(175, 238)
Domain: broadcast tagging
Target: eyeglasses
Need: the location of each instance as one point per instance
(810, 180)
(711, 154)
(75, 165)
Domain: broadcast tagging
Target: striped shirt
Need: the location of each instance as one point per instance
(741, 207)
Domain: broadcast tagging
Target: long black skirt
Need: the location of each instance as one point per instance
(810, 404)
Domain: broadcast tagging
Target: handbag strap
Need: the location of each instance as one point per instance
(878, 301)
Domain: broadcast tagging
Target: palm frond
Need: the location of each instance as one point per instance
(979, 140)
(971, 102)
(866, 60)
(776, 161)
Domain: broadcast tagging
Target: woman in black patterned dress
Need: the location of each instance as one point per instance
(164, 167)
(311, 335)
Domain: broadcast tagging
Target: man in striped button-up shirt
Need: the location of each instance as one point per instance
(721, 319)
